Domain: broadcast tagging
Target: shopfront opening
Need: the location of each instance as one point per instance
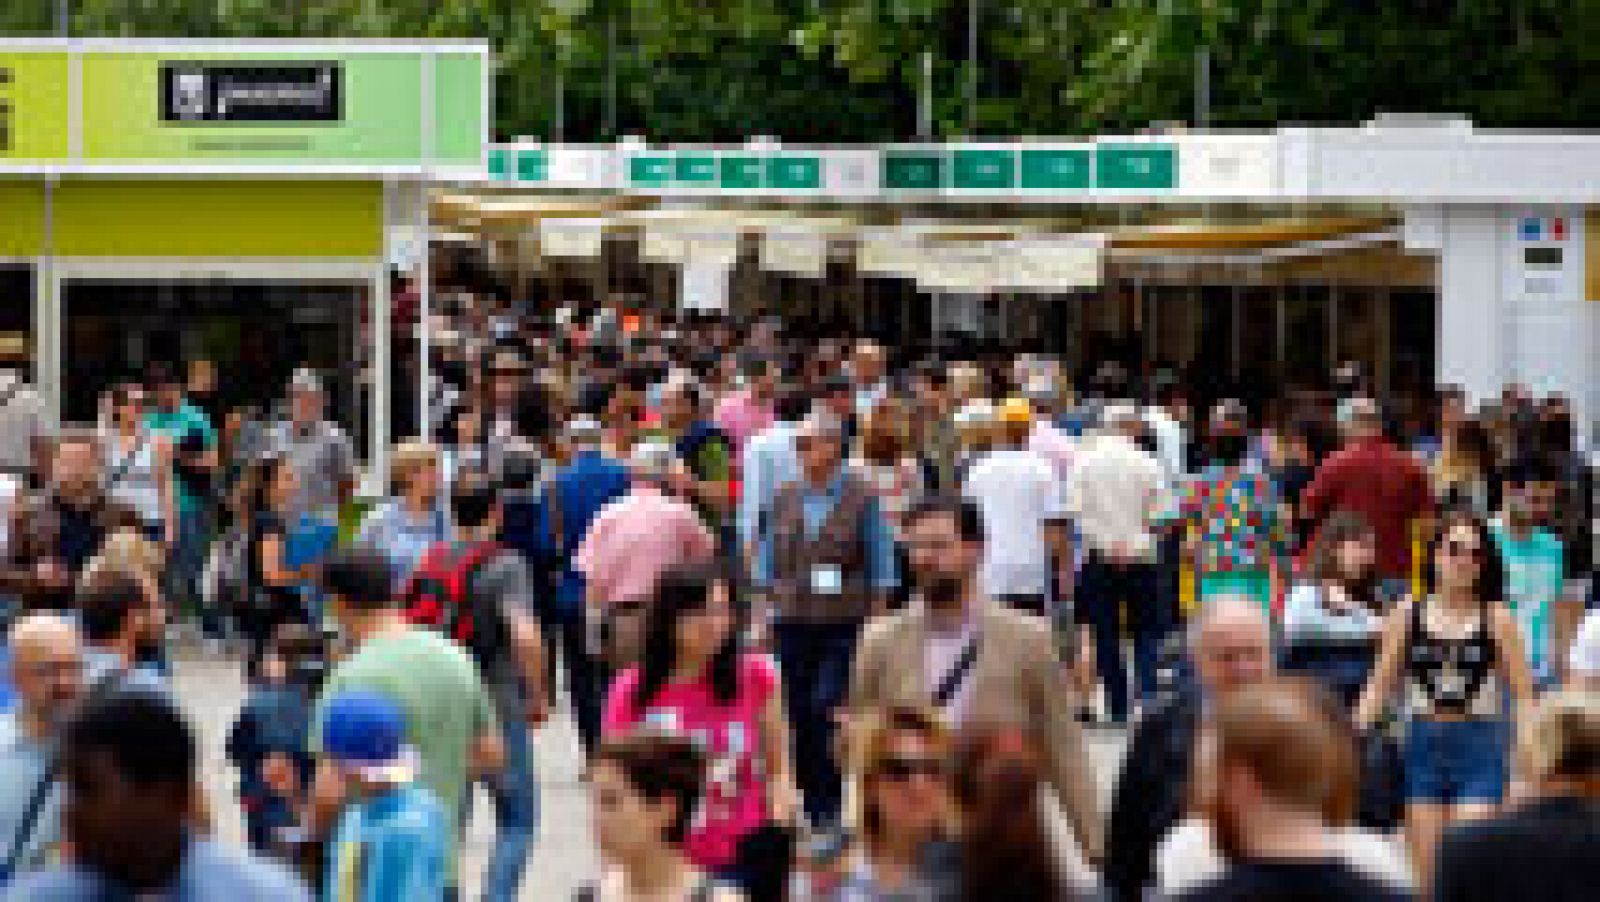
(16, 315)
(255, 332)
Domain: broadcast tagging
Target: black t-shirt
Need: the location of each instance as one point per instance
(1315, 880)
(283, 600)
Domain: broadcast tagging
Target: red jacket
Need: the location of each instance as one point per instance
(1381, 482)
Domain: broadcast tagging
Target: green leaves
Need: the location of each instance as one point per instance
(850, 70)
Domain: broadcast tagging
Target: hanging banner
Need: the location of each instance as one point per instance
(798, 252)
(703, 286)
(1049, 265)
(572, 237)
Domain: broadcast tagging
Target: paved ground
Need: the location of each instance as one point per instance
(563, 856)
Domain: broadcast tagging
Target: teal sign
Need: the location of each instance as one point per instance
(1137, 166)
(499, 163)
(740, 173)
(697, 169)
(650, 171)
(913, 170)
(1058, 170)
(788, 173)
(533, 166)
(994, 170)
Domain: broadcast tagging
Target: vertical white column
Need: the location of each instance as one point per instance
(1470, 318)
(47, 313)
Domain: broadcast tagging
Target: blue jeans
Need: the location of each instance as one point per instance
(183, 571)
(1449, 762)
(1108, 594)
(815, 659)
(515, 792)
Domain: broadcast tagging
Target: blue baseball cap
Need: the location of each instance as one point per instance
(365, 732)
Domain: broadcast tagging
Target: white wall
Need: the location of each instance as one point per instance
(1504, 318)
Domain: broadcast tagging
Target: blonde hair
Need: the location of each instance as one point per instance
(127, 552)
(1563, 738)
(870, 741)
(409, 459)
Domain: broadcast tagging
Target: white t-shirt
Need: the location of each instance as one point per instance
(10, 488)
(1018, 492)
(1584, 659)
(1188, 857)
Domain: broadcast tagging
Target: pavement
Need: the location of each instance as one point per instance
(563, 857)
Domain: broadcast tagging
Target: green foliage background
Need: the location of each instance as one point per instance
(850, 70)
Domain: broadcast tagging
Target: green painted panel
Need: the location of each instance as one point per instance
(1055, 169)
(913, 170)
(458, 108)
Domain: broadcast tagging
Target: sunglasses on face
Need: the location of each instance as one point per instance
(902, 770)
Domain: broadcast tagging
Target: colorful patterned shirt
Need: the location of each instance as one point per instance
(1237, 518)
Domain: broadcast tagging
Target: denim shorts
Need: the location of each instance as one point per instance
(1454, 761)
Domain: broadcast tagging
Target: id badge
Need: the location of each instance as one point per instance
(827, 579)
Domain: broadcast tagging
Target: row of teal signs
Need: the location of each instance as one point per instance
(727, 172)
(1122, 167)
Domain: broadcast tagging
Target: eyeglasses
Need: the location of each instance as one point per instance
(1456, 548)
(902, 770)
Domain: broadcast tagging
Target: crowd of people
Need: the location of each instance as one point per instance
(832, 623)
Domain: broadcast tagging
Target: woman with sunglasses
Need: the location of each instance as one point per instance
(904, 816)
(138, 466)
(694, 681)
(1455, 651)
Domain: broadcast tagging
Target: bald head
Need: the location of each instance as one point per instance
(1230, 643)
(47, 667)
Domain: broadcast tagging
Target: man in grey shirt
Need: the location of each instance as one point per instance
(515, 673)
(47, 667)
(320, 452)
(24, 421)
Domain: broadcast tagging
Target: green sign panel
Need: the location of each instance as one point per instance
(532, 166)
(1055, 169)
(145, 103)
(653, 171)
(740, 173)
(794, 173)
(696, 169)
(1137, 166)
(993, 170)
(913, 170)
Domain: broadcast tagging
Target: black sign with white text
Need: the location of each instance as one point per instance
(264, 93)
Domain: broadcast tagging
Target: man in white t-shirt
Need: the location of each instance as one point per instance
(1583, 661)
(1019, 494)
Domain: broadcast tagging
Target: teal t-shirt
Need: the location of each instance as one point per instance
(1534, 578)
(445, 701)
(176, 425)
(394, 846)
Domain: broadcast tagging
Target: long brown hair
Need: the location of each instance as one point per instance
(1006, 848)
(1340, 527)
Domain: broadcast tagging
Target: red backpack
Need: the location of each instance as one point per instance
(439, 595)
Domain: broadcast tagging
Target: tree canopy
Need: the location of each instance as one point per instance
(852, 70)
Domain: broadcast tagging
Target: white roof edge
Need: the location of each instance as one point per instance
(357, 45)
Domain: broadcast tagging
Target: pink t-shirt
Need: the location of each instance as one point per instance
(735, 799)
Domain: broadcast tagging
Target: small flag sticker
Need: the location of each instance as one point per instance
(1542, 228)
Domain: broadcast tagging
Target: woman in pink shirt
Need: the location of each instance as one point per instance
(695, 682)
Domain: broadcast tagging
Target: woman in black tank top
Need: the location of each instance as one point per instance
(1454, 653)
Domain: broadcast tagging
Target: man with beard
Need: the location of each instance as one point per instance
(981, 663)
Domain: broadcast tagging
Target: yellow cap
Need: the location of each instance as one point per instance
(1016, 410)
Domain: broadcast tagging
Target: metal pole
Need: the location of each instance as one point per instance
(972, 65)
(424, 279)
(611, 76)
(561, 100)
(1202, 87)
(64, 18)
(925, 107)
